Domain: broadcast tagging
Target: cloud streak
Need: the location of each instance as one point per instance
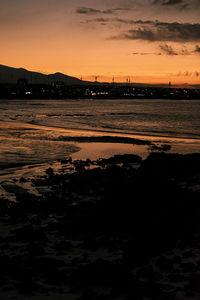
(156, 31)
(168, 2)
(172, 2)
(197, 49)
(94, 11)
(189, 74)
(179, 4)
(168, 49)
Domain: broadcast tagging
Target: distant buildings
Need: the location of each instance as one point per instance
(59, 90)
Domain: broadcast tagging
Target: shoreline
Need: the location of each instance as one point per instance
(94, 148)
(88, 133)
(73, 140)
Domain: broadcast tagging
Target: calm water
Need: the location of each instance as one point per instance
(33, 130)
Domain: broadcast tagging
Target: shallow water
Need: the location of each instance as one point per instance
(172, 118)
(35, 131)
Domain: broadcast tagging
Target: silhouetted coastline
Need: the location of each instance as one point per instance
(24, 90)
(19, 83)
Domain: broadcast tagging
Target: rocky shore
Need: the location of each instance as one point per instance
(117, 228)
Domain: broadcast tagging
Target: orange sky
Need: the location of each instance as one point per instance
(105, 38)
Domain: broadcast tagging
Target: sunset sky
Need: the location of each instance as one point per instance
(148, 40)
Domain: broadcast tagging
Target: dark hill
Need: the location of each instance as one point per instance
(9, 75)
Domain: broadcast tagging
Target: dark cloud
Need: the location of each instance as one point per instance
(197, 49)
(178, 4)
(97, 20)
(155, 31)
(133, 22)
(184, 6)
(141, 53)
(147, 53)
(118, 20)
(92, 11)
(121, 8)
(168, 49)
(186, 73)
(172, 2)
(169, 2)
(189, 74)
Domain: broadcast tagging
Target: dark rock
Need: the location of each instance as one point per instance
(188, 254)
(8, 265)
(29, 233)
(4, 206)
(162, 147)
(188, 267)
(89, 294)
(51, 269)
(174, 277)
(101, 273)
(176, 259)
(49, 171)
(120, 159)
(164, 263)
(15, 189)
(35, 249)
(62, 245)
(194, 283)
(22, 179)
(26, 284)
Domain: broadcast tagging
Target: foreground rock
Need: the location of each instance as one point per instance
(118, 228)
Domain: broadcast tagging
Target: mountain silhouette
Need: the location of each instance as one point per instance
(9, 75)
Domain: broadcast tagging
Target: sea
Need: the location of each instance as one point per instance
(36, 131)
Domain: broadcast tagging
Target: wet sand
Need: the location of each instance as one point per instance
(28, 149)
(28, 144)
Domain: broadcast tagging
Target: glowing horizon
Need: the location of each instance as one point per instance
(150, 41)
